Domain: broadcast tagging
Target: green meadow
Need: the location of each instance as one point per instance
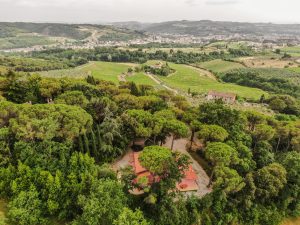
(184, 78)
(187, 77)
(220, 66)
(141, 78)
(101, 70)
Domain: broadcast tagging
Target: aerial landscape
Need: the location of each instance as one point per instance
(130, 112)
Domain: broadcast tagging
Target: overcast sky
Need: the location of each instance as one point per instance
(75, 11)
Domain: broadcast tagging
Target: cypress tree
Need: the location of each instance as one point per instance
(86, 143)
(134, 89)
(98, 141)
(80, 144)
(98, 136)
(94, 144)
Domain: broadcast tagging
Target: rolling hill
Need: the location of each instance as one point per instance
(22, 35)
(205, 28)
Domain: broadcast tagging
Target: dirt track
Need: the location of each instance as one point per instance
(179, 145)
(160, 83)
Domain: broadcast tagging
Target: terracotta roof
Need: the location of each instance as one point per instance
(220, 94)
(188, 183)
(190, 174)
(136, 163)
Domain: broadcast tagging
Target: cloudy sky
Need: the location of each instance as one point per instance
(74, 11)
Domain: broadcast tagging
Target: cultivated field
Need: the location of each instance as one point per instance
(220, 66)
(267, 62)
(187, 77)
(293, 51)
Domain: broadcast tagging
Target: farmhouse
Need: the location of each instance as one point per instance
(157, 65)
(188, 183)
(226, 97)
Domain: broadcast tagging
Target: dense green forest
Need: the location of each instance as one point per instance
(59, 137)
(278, 81)
(33, 65)
(137, 56)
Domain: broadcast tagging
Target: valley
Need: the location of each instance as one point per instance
(172, 123)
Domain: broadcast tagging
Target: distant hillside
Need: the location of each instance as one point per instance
(47, 29)
(207, 27)
(21, 35)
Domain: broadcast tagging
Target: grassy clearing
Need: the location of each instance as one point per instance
(141, 78)
(292, 222)
(3, 210)
(188, 77)
(101, 70)
(295, 69)
(220, 66)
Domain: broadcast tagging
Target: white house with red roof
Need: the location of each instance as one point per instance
(229, 98)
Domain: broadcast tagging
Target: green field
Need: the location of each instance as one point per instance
(104, 71)
(293, 51)
(220, 66)
(101, 70)
(184, 78)
(188, 77)
(141, 78)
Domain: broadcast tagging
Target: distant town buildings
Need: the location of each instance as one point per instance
(229, 98)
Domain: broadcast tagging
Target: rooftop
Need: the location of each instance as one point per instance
(221, 94)
(188, 183)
